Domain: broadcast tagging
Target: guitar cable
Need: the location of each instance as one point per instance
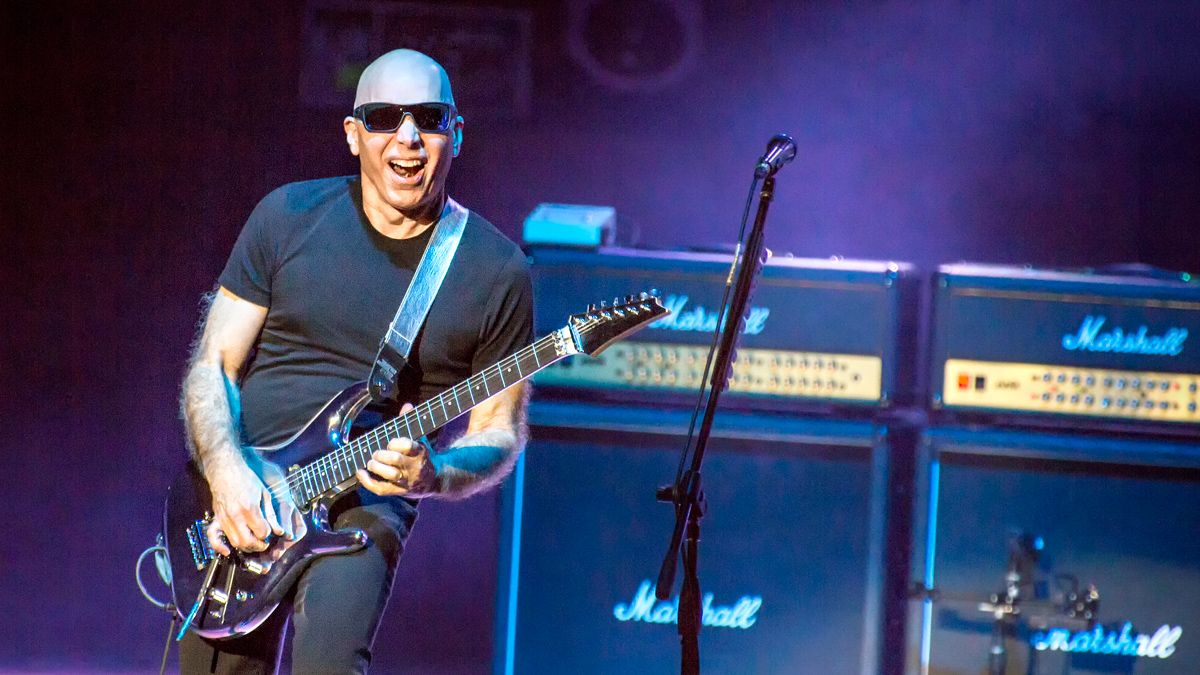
(159, 550)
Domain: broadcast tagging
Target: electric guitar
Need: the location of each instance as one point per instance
(221, 596)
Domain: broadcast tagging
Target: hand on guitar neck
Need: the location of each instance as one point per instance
(404, 468)
(247, 513)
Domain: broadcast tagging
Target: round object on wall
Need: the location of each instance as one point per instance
(635, 45)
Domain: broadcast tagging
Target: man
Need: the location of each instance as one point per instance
(310, 287)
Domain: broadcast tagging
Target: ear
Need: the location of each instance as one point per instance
(458, 135)
(351, 134)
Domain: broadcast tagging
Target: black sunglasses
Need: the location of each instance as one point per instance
(387, 117)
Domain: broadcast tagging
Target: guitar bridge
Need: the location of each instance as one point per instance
(198, 541)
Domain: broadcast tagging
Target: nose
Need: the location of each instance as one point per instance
(407, 132)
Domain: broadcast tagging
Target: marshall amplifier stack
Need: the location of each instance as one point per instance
(793, 563)
(819, 333)
(1016, 490)
(1058, 495)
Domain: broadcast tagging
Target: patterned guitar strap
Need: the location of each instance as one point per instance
(397, 343)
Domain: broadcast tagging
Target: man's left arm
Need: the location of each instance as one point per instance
(496, 430)
(479, 459)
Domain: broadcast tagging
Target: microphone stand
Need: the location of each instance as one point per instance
(686, 494)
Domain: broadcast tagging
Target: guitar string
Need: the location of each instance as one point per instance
(360, 445)
(360, 448)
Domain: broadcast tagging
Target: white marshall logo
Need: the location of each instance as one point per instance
(1160, 645)
(645, 607)
(1089, 339)
(700, 318)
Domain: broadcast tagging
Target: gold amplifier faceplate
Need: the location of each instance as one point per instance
(767, 372)
(1032, 387)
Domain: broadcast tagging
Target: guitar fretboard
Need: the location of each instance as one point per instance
(340, 465)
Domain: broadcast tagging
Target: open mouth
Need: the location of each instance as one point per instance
(408, 170)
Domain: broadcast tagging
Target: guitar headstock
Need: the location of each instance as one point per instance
(594, 330)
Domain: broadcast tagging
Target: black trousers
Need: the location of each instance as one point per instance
(335, 607)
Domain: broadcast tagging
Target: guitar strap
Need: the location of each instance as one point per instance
(397, 343)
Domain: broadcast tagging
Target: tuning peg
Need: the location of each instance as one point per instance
(591, 308)
(628, 299)
(643, 295)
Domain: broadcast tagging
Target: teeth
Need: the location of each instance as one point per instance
(408, 163)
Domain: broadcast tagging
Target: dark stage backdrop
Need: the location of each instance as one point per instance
(137, 136)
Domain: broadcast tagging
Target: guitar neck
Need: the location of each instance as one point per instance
(339, 465)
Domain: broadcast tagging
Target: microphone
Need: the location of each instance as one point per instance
(780, 151)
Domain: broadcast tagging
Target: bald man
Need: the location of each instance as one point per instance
(311, 285)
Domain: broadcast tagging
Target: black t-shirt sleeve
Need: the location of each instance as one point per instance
(252, 261)
(508, 317)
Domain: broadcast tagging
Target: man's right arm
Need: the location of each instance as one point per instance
(243, 508)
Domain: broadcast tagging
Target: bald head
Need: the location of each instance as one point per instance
(403, 76)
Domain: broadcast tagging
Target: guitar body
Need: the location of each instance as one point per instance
(241, 590)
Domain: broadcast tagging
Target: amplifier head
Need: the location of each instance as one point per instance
(1067, 348)
(818, 333)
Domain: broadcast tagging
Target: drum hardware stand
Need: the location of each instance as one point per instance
(1015, 605)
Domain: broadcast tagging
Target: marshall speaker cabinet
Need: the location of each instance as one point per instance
(1040, 553)
(1080, 350)
(819, 334)
(791, 556)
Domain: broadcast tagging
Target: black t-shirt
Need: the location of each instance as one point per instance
(332, 283)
